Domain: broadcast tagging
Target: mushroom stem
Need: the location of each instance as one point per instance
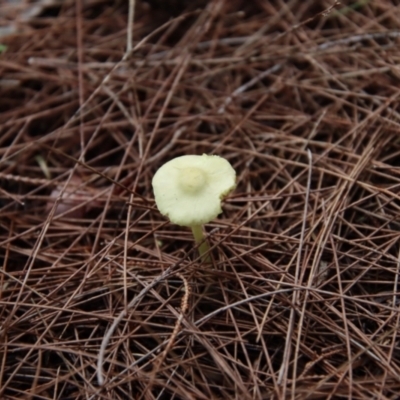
(199, 238)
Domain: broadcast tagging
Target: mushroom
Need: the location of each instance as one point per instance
(189, 189)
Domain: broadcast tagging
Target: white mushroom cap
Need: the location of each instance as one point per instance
(189, 189)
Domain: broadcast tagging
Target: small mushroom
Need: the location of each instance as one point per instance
(189, 189)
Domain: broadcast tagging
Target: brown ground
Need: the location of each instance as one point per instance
(301, 302)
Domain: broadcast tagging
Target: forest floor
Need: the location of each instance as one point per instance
(301, 300)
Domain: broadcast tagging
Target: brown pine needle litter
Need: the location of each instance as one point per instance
(302, 298)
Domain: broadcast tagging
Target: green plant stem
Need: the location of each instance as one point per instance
(204, 248)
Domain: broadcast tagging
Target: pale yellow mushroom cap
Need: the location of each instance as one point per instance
(189, 189)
